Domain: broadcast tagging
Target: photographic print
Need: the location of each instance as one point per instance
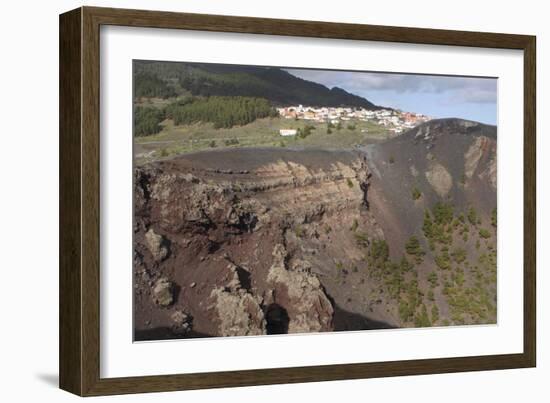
(275, 200)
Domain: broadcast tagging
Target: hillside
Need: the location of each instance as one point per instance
(271, 83)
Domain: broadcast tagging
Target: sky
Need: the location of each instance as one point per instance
(435, 96)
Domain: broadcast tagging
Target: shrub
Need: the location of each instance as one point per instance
(422, 319)
(380, 250)
(406, 312)
(484, 233)
(362, 239)
(494, 217)
(433, 279)
(392, 159)
(231, 142)
(404, 265)
(443, 261)
(416, 193)
(413, 248)
(349, 182)
(427, 226)
(443, 213)
(431, 295)
(459, 255)
(435, 313)
(472, 216)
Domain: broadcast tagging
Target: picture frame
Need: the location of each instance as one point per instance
(80, 154)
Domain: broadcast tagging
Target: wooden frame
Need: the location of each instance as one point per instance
(79, 201)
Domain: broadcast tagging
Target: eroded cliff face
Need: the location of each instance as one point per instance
(251, 244)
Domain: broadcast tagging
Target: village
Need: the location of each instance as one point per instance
(395, 120)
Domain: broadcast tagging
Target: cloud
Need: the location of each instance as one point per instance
(457, 89)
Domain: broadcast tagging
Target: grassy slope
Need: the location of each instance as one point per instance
(174, 140)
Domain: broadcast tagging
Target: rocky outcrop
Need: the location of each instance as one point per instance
(162, 293)
(238, 312)
(301, 294)
(157, 245)
(490, 173)
(182, 322)
(439, 178)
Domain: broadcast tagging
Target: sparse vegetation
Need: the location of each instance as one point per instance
(435, 313)
(443, 213)
(433, 279)
(472, 216)
(413, 248)
(422, 319)
(443, 261)
(484, 233)
(231, 142)
(459, 255)
(304, 132)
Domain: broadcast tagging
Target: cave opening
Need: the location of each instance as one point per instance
(276, 319)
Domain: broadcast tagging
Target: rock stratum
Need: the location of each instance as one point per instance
(243, 242)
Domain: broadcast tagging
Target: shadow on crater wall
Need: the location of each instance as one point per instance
(164, 333)
(346, 321)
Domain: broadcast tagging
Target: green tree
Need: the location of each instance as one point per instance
(412, 247)
(147, 121)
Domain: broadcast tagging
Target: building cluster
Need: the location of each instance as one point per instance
(395, 120)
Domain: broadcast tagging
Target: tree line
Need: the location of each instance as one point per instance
(223, 112)
(147, 120)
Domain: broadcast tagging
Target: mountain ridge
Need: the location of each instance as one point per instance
(272, 83)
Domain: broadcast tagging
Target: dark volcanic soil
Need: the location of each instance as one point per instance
(264, 241)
